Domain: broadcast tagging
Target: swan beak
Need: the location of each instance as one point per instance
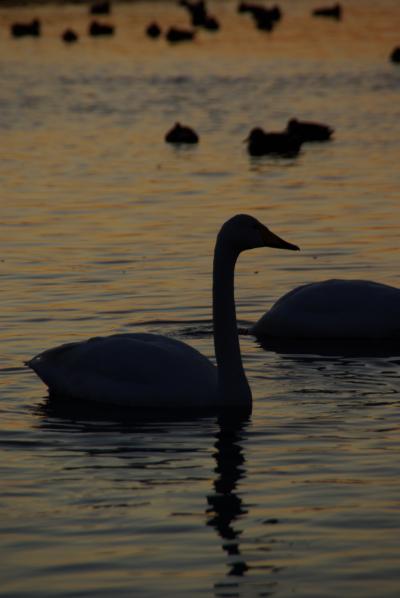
(272, 240)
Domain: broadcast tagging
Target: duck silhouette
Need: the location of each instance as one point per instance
(395, 55)
(309, 131)
(25, 29)
(153, 30)
(174, 34)
(334, 11)
(181, 134)
(260, 143)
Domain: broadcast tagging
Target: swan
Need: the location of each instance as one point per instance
(153, 371)
(333, 309)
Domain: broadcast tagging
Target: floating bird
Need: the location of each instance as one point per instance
(96, 29)
(100, 8)
(199, 15)
(395, 55)
(153, 30)
(174, 34)
(69, 36)
(265, 18)
(334, 309)
(197, 11)
(334, 11)
(282, 143)
(211, 23)
(309, 131)
(156, 372)
(181, 134)
(275, 13)
(32, 29)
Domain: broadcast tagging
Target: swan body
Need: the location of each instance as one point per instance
(102, 369)
(153, 371)
(334, 309)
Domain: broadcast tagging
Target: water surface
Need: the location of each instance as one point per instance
(105, 228)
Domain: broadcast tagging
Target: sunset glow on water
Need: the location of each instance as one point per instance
(105, 228)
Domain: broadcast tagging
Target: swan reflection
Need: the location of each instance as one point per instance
(154, 453)
(225, 506)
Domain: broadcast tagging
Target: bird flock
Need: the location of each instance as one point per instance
(286, 143)
(265, 19)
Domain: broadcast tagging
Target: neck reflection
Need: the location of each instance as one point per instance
(225, 506)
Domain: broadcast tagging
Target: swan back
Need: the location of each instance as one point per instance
(334, 309)
(130, 369)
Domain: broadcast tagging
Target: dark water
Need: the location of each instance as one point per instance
(105, 228)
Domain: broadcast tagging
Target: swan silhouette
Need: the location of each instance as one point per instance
(334, 309)
(154, 371)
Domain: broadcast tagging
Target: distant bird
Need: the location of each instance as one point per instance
(265, 18)
(197, 11)
(69, 36)
(174, 34)
(211, 23)
(181, 134)
(395, 55)
(199, 16)
(283, 143)
(97, 28)
(263, 21)
(153, 30)
(100, 8)
(274, 12)
(335, 11)
(309, 131)
(26, 29)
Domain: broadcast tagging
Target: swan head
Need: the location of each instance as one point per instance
(244, 232)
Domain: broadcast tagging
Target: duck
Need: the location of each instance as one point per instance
(309, 131)
(260, 143)
(175, 34)
(395, 55)
(69, 36)
(26, 29)
(333, 309)
(96, 29)
(181, 134)
(334, 11)
(100, 8)
(151, 371)
(153, 30)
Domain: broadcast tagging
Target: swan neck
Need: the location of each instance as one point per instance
(232, 383)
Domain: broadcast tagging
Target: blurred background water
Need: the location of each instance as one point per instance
(105, 228)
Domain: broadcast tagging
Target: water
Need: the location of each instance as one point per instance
(105, 228)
